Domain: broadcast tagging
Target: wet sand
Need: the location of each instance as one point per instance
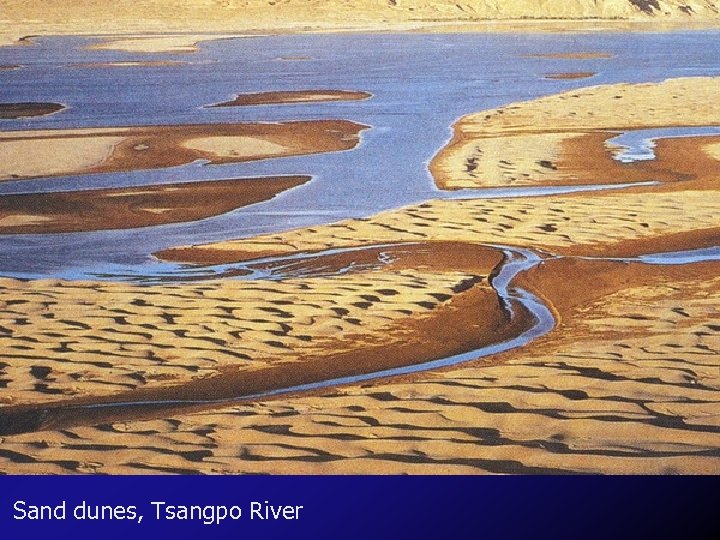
(631, 223)
(294, 96)
(126, 208)
(560, 139)
(32, 154)
(573, 56)
(162, 43)
(571, 75)
(13, 111)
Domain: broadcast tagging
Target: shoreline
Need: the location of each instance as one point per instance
(223, 30)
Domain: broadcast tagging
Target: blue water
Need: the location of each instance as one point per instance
(639, 144)
(421, 84)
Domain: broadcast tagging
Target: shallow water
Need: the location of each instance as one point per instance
(420, 84)
(639, 144)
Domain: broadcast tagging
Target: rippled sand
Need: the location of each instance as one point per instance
(628, 384)
(560, 139)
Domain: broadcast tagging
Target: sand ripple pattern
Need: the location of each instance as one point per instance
(70, 339)
(642, 403)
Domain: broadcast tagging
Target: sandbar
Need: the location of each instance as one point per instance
(133, 207)
(293, 96)
(13, 111)
(571, 75)
(47, 153)
(161, 43)
(560, 139)
(129, 64)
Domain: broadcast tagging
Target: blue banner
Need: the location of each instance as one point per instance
(357, 507)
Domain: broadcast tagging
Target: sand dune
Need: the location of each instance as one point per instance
(628, 385)
(88, 340)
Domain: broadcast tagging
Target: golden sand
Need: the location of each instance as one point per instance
(630, 223)
(560, 139)
(626, 382)
(103, 339)
(628, 385)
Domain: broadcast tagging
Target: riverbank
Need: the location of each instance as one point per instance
(124, 17)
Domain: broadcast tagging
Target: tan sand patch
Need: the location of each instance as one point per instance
(645, 401)
(51, 157)
(159, 43)
(243, 147)
(599, 224)
(117, 338)
(147, 63)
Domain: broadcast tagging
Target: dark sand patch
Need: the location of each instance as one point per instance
(127, 208)
(572, 56)
(13, 111)
(571, 75)
(294, 96)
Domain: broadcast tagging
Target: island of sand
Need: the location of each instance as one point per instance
(47, 153)
(563, 139)
(289, 97)
(133, 207)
